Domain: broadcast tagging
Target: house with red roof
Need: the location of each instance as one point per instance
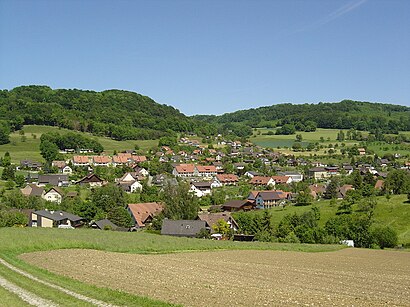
(142, 214)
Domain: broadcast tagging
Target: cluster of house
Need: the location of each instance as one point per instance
(142, 215)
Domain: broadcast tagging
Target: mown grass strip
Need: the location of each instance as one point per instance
(10, 299)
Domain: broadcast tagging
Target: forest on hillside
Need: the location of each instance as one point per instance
(347, 114)
(117, 114)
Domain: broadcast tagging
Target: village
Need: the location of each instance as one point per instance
(247, 176)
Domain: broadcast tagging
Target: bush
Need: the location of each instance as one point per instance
(385, 236)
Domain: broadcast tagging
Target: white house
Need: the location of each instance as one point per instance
(201, 188)
(54, 195)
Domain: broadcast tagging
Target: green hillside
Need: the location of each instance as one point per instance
(394, 212)
(347, 114)
(30, 147)
(120, 115)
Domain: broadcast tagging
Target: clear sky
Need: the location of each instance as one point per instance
(214, 56)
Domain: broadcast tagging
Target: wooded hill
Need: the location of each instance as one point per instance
(347, 114)
(121, 115)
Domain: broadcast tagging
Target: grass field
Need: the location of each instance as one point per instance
(30, 148)
(394, 212)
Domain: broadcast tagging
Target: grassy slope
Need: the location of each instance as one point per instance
(394, 212)
(30, 149)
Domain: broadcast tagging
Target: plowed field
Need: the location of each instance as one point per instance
(244, 278)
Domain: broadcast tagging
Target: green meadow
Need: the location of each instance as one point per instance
(29, 148)
(394, 212)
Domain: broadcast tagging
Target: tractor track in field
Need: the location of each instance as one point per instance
(35, 300)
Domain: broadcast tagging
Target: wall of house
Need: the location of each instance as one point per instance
(45, 222)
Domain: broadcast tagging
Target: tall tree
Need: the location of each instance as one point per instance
(180, 203)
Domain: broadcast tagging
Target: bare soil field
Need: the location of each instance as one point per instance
(350, 277)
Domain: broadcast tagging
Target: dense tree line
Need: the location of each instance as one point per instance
(347, 114)
(118, 114)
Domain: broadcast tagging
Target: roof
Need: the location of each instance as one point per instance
(185, 168)
(280, 179)
(58, 215)
(212, 218)
(120, 159)
(237, 203)
(52, 179)
(59, 164)
(227, 178)
(379, 184)
(272, 195)
(32, 190)
(56, 190)
(206, 168)
(80, 159)
(102, 159)
(102, 224)
(90, 178)
(139, 158)
(317, 169)
(142, 211)
(182, 228)
(260, 180)
(202, 184)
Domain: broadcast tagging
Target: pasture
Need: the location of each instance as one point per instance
(29, 148)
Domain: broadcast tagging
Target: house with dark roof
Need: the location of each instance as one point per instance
(57, 180)
(92, 179)
(238, 205)
(201, 188)
(103, 224)
(50, 218)
(269, 199)
(182, 228)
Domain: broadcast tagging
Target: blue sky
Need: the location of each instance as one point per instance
(215, 56)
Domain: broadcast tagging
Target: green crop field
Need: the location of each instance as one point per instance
(30, 148)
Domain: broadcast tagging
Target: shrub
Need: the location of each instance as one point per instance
(385, 236)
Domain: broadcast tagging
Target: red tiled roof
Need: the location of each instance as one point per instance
(119, 159)
(102, 159)
(206, 168)
(227, 178)
(260, 180)
(280, 179)
(185, 168)
(139, 158)
(80, 159)
(142, 211)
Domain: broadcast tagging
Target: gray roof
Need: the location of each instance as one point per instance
(58, 215)
(182, 228)
(271, 195)
(52, 179)
(101, 224)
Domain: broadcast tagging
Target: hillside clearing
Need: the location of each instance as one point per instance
(243, 278)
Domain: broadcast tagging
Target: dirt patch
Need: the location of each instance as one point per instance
(243, 278)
